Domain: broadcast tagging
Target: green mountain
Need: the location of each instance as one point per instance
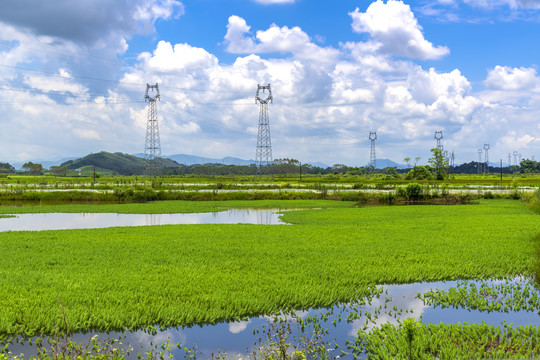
(118, 163)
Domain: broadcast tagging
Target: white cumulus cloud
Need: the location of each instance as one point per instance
(275, 39)
(507, 78)
(394, 30)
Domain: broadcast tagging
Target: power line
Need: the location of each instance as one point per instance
(117, 81)
(44, 48)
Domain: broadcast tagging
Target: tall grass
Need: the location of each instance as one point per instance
(119, 278)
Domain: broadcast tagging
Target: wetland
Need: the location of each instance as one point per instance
(211, 286)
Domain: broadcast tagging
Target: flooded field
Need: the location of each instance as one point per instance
(337, 326)
(60, 221)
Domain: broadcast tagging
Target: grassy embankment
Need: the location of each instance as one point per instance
(239, 181)
(173, 275)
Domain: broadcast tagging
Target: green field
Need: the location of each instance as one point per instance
(174, 207)
(170, 275)
(243, 181)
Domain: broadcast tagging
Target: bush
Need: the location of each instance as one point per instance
(410, 192)
(488, 195)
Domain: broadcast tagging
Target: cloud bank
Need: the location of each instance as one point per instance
(327, 99)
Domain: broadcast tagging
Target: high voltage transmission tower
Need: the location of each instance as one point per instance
(509, 160)
(263, 156)
(372, 157)
(486, 158)
(515, 157)
(152, 148)
(452, 158)
(438, 137)
(479, 161)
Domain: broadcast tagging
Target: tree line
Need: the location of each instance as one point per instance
(437, 168)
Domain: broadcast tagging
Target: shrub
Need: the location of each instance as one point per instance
(412, 191)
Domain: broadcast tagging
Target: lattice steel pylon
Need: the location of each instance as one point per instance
(452, 158)
(439, 137)
(152, 148)
(486, 158)
(479, 161)
(263, 155)
(515, 158)
(372, 157)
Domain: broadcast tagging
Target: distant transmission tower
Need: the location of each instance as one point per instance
(519, 159)
(452, 158)
(263, 156)
(509, 160)
(515, 158)
(439, 137)
(372, 157)
(479, 161)
(486, 158)
(152, 148)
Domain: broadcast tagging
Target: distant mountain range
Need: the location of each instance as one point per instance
(194, 160)
(123, 162)
(46, 163)
(384, 163)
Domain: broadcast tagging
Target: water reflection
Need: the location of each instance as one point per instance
(60, 221)
(395, 303)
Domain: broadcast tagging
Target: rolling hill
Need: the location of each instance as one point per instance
(119, 163)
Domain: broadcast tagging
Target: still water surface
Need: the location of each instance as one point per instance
(59, 221)
(238, 339)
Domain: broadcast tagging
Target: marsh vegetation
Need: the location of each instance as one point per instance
(68, 281)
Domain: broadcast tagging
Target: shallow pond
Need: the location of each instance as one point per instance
(59, 221)
(241, 338)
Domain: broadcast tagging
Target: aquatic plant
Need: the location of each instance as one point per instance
(504, 297)
(281, 343)
(127, 278)
(449, 341)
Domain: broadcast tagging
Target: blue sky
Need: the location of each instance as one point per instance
(73, 77)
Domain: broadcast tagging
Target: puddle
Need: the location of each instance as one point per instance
(60, 221)
(240, 339)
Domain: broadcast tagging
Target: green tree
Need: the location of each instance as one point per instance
(419, 172)
(391, 173)
(339, 169)
(59, 170)
(33, 169)
(408, 162)
(6, 168)
(285, 166)
(438, 163)
(529, 166)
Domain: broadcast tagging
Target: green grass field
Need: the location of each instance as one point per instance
(170, 275)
